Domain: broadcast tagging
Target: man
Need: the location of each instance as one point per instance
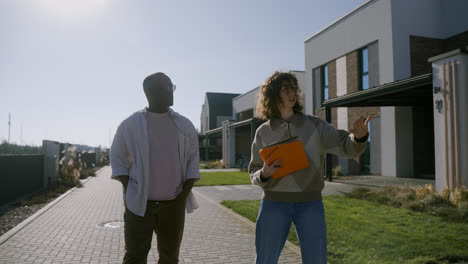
(155, 156)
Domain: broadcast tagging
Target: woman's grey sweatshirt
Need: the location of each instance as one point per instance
(318, 138)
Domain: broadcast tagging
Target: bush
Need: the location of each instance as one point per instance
(337, 171)
(45, 196)
(85, 173)
(70, 168)
(103, 160)
(463, 209)
(215, 165)
(6, 148)
(452, 204)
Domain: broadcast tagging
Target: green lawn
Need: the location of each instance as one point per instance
(223, 178)
(365, 232)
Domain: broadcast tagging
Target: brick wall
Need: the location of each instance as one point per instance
(421, 49)
(320, 113)
(456, 41)
(334, 116)
(355, 113)
(352, 71)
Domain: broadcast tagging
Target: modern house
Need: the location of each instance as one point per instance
(374, 60)
(234, 135)
(216, 108)
(405, 63)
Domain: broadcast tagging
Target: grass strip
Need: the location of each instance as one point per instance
(366, 232)
(223, 178)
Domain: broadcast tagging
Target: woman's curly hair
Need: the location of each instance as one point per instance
(267, 106)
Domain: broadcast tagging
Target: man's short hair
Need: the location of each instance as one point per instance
(156, 81)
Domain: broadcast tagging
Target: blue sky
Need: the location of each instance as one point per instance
(72, 70)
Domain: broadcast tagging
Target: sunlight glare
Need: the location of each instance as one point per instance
(73, 9)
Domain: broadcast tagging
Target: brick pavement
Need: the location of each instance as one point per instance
(68, 232)
(337, 187)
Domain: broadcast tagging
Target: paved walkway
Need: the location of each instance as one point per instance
(70, 231)
(73, 228)
(252, 192)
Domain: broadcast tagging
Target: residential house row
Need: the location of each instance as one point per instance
(402, 62)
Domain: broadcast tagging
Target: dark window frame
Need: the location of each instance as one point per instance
(362, 73)
(324, 81)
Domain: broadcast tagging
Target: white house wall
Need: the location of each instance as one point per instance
(404, 144)
(220, 119)
(300, 76)
(244, 102)
(454, 17)
(205, 117)
(341, 77)
(388, 139)
(429, 18)
(342, 119)
(370, 23)
(451, 120)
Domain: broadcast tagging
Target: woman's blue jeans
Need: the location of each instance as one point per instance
(273, 224)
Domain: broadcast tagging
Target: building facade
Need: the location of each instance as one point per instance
(405, 63)
(381, 42)
(216, 108)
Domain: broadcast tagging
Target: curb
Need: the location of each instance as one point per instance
(288, 244)
(28, 220)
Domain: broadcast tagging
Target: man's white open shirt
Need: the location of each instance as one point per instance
(130, 156)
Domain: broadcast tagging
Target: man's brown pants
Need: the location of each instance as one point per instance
(166, 219)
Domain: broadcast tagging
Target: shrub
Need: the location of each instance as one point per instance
(85, 173)
(70, 168)
(103, 160)
(215, 165)
(46, 195)
(451, 204)
(6, 148)
(336, 171)
(463, 209)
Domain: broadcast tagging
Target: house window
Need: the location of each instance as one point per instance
(324, 83)
(244, 115)
(364, 69)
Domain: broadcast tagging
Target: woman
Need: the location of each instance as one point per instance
(296, 197)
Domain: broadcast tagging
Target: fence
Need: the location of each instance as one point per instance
(20, 175)
(89, 159)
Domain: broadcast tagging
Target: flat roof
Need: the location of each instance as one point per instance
(239, 96)
(463, 50)
(413, 91)
(338, 20)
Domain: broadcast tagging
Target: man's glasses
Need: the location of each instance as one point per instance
(173, 87)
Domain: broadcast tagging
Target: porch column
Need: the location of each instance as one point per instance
(229, 143)
(450, 87)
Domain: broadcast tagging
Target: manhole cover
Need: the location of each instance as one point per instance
(111, 225)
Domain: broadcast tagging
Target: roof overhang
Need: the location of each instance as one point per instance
(247, 122)
(214, 131)
(414, 91)
(243, 123)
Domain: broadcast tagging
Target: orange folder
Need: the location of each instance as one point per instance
(290, 152)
